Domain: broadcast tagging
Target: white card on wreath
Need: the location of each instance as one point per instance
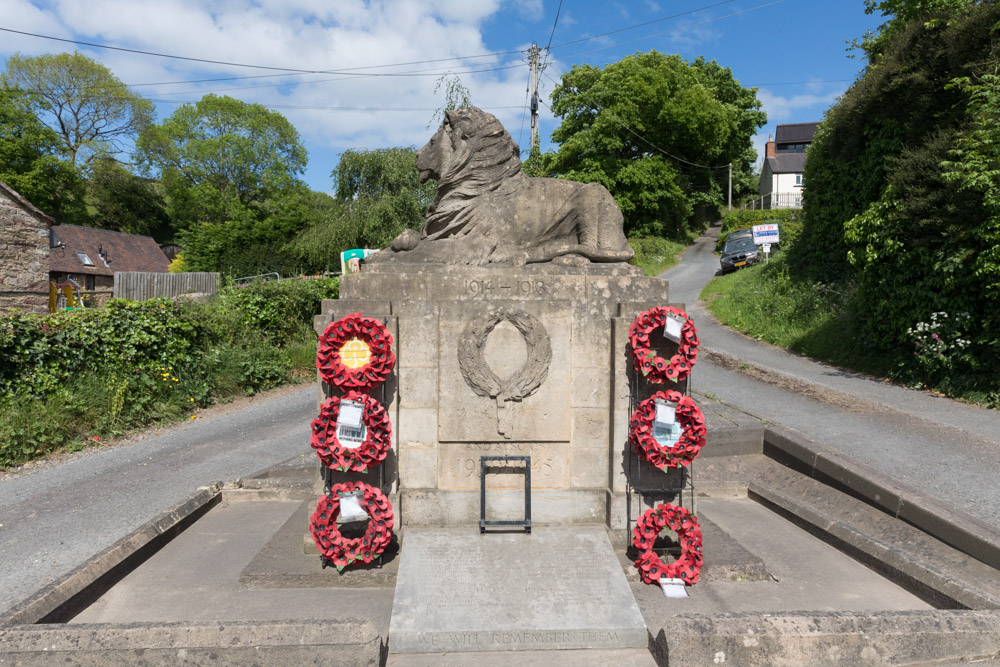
(672, 325)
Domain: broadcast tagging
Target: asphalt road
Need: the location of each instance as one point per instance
(945, 448)
(58, 516)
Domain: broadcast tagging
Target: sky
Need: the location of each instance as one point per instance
(364, 73)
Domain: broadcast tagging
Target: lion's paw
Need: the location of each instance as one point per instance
(407, 240)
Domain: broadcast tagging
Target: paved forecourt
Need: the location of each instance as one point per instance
(556, 588)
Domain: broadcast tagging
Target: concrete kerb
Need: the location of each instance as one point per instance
(936, 518)
(829, 638)
(311, 642)
(64, 598)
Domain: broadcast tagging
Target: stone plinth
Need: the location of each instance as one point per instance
(558, 588)
(573, 423)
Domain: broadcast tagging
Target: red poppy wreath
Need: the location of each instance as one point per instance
(657, 369)
(377, 434)
(355, 352)
(682, 522)
(687, 447)
(343, 551)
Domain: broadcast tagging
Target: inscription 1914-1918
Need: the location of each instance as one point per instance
(506, 288)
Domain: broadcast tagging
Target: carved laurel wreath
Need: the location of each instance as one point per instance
(478, 374)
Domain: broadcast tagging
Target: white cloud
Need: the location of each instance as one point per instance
(794, 108)
(297, 34)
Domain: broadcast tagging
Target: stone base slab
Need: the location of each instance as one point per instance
(556, 588)
(433, 507)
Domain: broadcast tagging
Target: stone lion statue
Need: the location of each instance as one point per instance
(487, 211)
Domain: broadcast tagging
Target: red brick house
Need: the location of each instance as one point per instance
(24, 254)
(92, 256)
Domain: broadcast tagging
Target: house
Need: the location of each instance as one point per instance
(91, 257)
(24, 254)
(783, 173)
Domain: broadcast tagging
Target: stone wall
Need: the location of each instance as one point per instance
(574, 426)
(24, 258)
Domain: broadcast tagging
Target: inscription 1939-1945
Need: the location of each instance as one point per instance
(514, 639)
(506, 288)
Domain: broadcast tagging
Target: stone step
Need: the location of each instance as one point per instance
(553, 589)
(929, 568)
(631, 657)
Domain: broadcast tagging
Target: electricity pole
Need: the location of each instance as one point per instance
(534, 95)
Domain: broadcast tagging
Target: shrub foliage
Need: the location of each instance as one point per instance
(94, 373)
(903, 193)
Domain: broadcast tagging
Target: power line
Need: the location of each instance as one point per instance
(638, 25)
(554, 24)
(234, 64)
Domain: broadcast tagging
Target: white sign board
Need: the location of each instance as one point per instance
(765, 234)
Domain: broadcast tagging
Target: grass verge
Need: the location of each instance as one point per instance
(810, 318)
(654, 256)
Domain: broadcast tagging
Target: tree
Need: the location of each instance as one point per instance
(230, 173)
(456, 96)
(382, 193)
(219, 151)
(658, 132)
(86, 105)
(124, 202)
(378, 194)
(902, 200)
(29, 161)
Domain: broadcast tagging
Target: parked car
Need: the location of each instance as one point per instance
(739, 253)
(739, 234)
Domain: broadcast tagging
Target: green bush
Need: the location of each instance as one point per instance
(903, 193)
(81, 374)
(655, 255)
(789, 223)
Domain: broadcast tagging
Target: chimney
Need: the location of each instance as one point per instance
(769, 146)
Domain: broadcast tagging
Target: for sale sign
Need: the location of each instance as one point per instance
(765, 234)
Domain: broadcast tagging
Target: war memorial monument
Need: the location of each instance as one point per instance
(508, 465)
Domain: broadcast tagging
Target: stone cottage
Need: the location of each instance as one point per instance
(91, 257)
(24, 254)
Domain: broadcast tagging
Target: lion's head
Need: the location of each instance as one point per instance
(470, 155)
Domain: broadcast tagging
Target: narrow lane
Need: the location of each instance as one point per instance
(940, 446)
(53, 519)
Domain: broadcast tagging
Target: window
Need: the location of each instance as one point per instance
(82, 256)
(799, 180)
(90, 282)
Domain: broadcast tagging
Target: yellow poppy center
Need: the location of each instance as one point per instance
(355, 353)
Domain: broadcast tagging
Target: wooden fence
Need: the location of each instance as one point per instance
(139, 286)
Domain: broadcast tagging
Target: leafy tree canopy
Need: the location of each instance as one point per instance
(89, 108)
(229, 171)
(124, 202)
(222, 151)
(902, 190)
(29, 161)
(642, 126)
(378, 193)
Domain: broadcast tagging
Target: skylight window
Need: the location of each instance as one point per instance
(84, 259)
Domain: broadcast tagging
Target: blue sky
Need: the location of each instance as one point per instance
(795, 51)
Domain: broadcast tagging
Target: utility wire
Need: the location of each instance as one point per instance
(234, 64)
(554, 24)
(638, 25)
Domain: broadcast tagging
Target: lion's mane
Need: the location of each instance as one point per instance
(484, 160)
